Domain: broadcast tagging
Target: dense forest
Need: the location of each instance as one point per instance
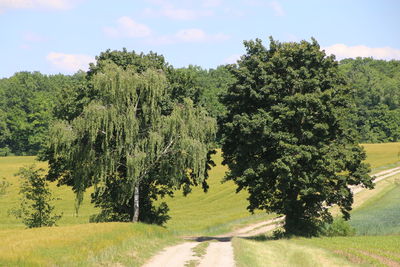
(31, 101)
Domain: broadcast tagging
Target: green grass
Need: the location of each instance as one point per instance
(375, 250)
(9, 166)
(376, 213)
(82, 245)
(217, 211)
(382, 156)
(198, 251)
(75, 241)
(380, 215)
(326, 251)
(251, 253)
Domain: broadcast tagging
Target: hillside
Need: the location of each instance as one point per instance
(375, 219)
(217, 211)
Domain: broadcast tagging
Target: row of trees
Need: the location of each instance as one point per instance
(29, 102)
(376, 85)
(137, 129)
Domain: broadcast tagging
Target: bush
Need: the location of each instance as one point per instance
(5, 151)
(35, 209)
(3, 186)
(339, 227)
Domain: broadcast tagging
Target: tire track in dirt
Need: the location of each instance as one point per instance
(220, 252)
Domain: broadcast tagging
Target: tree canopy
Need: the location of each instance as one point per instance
(286, 138)
(30, 101)
(130, 146)
(376, 86)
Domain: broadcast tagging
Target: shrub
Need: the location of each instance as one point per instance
(339, 227)
(35, 209)
(3, 186)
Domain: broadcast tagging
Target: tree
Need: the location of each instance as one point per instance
(285, 136)
(376, 85)
(3, 186)
(27, 100)
(130, 147)
(35, 208)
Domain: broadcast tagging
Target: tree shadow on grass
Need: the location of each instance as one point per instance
(210, 238)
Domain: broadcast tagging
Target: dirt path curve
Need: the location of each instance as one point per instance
(220, 250)
(378, 177)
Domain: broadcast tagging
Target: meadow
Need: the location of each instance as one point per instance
(75, 240)
(382, 156)
(219, 210)
(376, 219)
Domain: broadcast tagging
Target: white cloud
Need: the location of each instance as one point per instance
(127, 27)
(188, 36)
(232, 59)
(70, 62)
(277, 8)
(343, 51)
(37, 4)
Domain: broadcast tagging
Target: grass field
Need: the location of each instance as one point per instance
(9, 166)
(380, 215)
(332, 251)
(382, 156)
(82, 245)
(251, 253)
(217, 211)
(377, 215)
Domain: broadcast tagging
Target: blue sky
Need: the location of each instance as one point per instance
(62, 36)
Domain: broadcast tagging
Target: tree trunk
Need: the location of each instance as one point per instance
(136, 203)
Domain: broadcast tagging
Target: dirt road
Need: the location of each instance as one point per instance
(220, 251)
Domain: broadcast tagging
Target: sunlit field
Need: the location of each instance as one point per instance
(382, 156)
(75, 240)
(376, 219)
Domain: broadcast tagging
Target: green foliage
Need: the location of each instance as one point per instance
(125, 140)
(26, 110)
(339, 227)
(204, 87)
(3, 186)
(35, 208)
(129, 60)
(286, 138)
(376, 86)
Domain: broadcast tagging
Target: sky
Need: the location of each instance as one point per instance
(63, 36)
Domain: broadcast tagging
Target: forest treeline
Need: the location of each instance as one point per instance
(31, 101)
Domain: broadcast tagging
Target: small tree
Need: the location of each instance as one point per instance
(3, 186)
(35, 209)
(286, 138)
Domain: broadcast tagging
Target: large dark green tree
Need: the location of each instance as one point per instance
(129, 146)
(286, 138)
